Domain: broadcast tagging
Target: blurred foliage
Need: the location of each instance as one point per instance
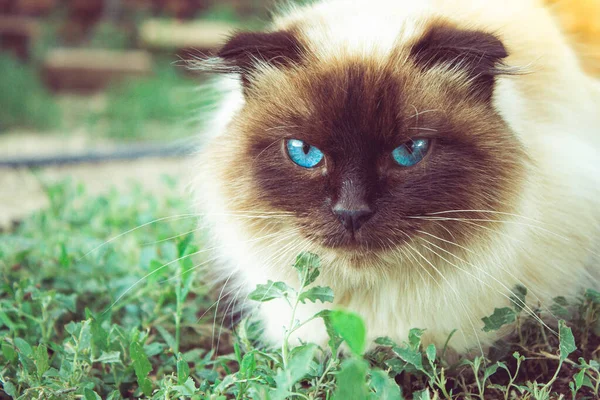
(48, 37)
(24, 101)
(221, 12)
(107, 35)
(165, 104)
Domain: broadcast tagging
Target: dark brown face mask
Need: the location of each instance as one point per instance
(397, 143)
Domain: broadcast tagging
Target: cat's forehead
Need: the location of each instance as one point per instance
(339, 25)
(347, 99)
(288, 81)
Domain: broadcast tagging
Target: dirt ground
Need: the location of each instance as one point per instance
(21, 190)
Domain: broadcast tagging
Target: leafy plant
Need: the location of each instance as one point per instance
(91, 308)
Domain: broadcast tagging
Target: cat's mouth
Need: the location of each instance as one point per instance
(373, 236)
(367, 236)
(352, 241)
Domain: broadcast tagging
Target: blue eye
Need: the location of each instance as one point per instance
(303, 154)
(411, 152)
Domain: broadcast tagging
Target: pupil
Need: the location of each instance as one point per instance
(305, 148)
(410, 146)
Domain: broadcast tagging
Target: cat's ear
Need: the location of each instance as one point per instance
(244, 52)
(477, 53)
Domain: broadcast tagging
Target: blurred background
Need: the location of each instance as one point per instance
(90, 88)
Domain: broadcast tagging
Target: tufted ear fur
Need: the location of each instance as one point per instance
(245, 51)
(478, 53)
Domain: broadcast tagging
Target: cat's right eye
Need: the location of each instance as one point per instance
(303, 154)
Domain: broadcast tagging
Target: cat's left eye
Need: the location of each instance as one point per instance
(303, 154)
(411, 152)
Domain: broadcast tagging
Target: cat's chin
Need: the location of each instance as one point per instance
(358, 244)
(353, 255)
(347, 251)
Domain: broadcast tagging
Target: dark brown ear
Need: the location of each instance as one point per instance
(478, 53)
(245, 50)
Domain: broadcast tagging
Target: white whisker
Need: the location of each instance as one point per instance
(491, 220)
(172, 217)
(174, 261)
(447, 241)
(524, 305)
(454, 291)
(416, 128)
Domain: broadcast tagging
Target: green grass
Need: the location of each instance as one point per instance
(83, 318)
(24, 101)
(163, 106)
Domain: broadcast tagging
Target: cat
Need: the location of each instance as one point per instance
(434, 154)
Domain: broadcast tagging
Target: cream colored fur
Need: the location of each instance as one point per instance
(551, 247)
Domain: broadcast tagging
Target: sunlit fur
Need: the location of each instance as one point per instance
(533, 214)
(579, 20)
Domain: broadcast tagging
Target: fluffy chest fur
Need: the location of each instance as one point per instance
(506, 193)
